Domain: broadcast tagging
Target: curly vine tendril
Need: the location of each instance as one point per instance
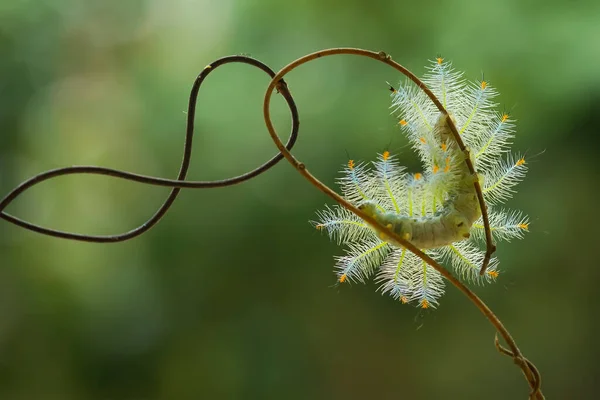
(277, 83)
(177, 185)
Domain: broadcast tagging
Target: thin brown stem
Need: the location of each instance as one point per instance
(176, 185)
(528, 369)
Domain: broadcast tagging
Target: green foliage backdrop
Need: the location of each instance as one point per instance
(231, 296)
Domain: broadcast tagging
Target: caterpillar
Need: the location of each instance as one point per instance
(458, 213)
(437, 209)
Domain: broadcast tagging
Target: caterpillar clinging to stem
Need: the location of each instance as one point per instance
(436, 210)
(460, 210)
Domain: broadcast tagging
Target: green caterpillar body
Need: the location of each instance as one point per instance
(451, 224)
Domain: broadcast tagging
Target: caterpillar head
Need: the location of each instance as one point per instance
(370, 208)
(373, 210)
(399, 224)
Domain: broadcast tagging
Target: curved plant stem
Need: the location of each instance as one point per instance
(176, 185)
(529, 370)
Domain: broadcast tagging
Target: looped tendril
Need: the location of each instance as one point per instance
(303, 170)
(177, 185)
(535, 379)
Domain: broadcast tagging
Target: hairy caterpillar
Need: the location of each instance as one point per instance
(458, 213)
(436, 210)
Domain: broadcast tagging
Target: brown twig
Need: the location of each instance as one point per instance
(527, 367)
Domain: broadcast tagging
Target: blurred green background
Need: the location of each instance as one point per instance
(232, 295)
